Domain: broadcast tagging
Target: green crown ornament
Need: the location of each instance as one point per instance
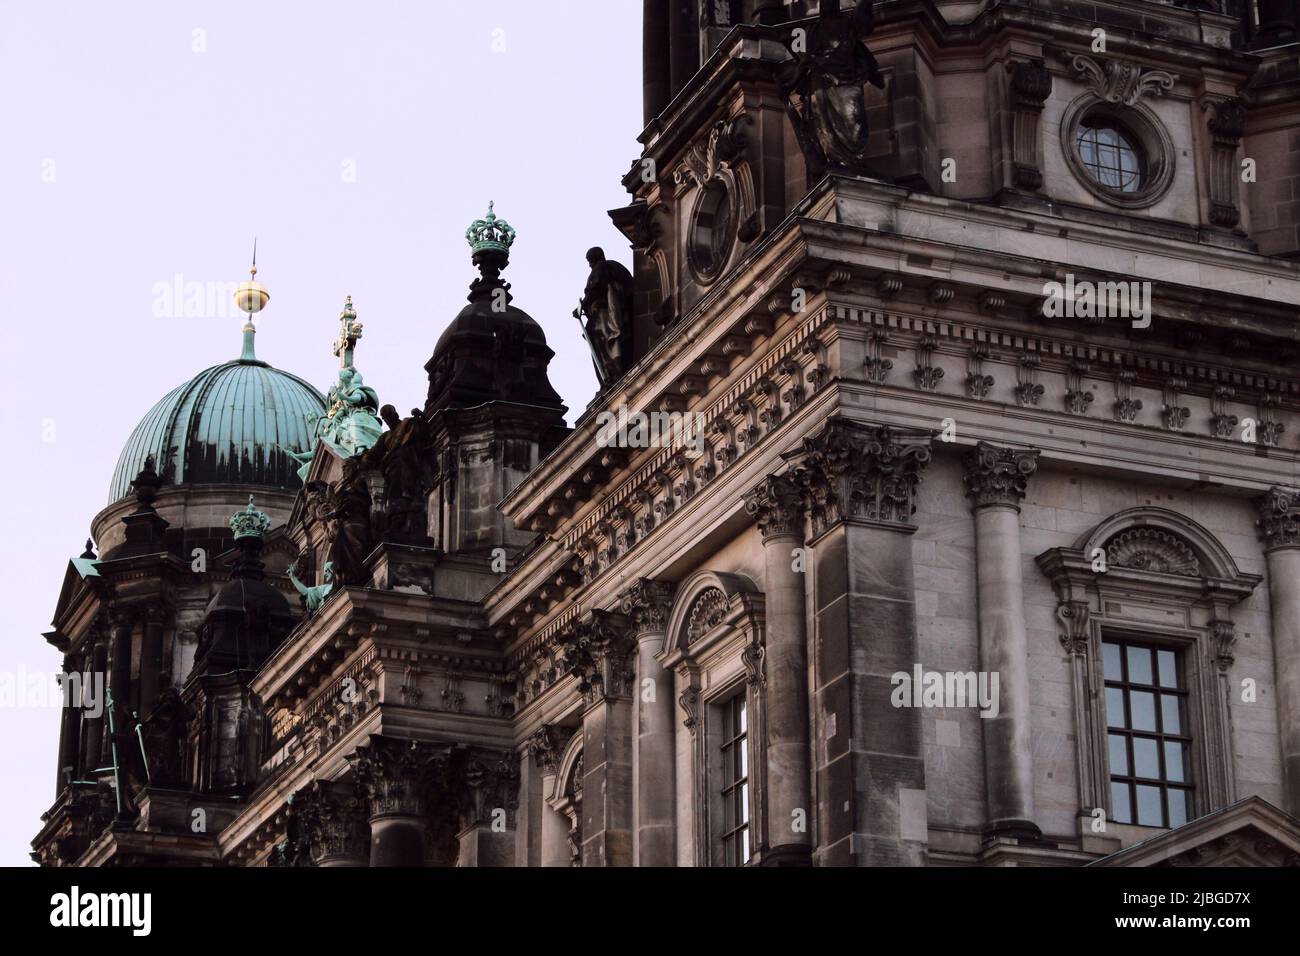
(250, 523)
(490, 234)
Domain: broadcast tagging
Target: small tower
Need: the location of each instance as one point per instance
(491, 406)
(244, 622)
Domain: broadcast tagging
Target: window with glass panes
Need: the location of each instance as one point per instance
(735, 782)
(1147, 733)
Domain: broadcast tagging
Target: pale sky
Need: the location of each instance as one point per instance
(146, 139)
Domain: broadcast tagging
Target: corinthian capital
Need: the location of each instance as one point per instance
(395, 775)
(998, 476)
(545, 747)
(1279, 519)
(491, 788)
(598, 650)
(334, 821)
(646, 604)
(776, 506)
(854, 471)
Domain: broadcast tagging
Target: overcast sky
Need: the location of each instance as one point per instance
(150, 140)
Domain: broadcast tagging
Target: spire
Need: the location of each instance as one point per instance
(251, 297)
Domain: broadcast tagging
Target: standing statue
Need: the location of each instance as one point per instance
(607, 303)
(406, 460)
(829, 74)
(314, 596)
(347, 512)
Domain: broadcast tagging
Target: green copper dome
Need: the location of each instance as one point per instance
(231, 424)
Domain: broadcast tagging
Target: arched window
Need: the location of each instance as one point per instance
(714, 645)
(1145, 603)
(567, 798)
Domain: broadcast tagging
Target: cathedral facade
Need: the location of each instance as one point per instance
(940, 504)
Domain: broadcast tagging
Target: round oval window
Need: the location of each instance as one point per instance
(1111, 155)
(711, 231)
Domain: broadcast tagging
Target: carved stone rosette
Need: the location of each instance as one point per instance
(394, 774)
(646, 604)
(998, 476)
(776, 507)
(1279, 519)
(855, 471)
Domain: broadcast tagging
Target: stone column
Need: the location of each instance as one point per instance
(94, 682)
(152, 680)
(654, 839)
(684, 44)
(69, 726)
(1279, 526)
(601, 652)
(995, 480)
(859, 488)
(489, 806)
(656, 59)
(393, 775)
(119, 664)
(334, 821)
(550, 841)
(777, 508)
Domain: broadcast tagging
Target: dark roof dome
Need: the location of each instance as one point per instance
(233, 423)
(492, 351)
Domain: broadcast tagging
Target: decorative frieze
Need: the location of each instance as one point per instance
(1279, 519)
(998, 476)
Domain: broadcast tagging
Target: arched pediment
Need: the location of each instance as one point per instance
(706, 601)
(1162, 541)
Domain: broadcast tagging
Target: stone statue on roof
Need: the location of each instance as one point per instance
(607, 304)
